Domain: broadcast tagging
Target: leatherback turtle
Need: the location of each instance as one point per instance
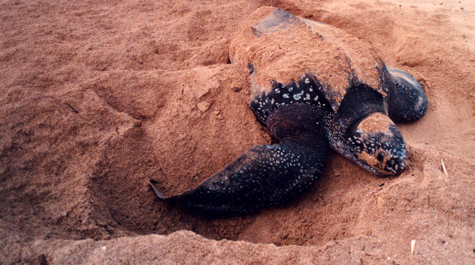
(314, 87)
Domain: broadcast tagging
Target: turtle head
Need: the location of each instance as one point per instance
(377, 145)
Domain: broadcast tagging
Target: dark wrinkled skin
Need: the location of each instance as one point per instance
(300, 117)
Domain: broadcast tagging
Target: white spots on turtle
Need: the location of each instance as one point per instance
(303, 91)
(297, 96)
(401, 164)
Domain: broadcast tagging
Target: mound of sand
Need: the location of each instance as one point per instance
(99, 97)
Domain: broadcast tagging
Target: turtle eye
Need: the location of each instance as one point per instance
(380, 157)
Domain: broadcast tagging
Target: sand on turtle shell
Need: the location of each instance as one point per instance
(376, 122)
(305, 47)
(99, 97)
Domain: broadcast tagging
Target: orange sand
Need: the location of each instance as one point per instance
(99, 97)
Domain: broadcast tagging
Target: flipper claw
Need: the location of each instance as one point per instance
(159, 194)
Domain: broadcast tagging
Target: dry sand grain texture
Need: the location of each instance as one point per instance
(98, 97)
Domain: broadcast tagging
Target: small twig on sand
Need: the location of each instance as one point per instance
(413, 246)
(443, 168)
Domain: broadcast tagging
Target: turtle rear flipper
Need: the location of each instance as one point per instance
(407, 101)
(265, 175)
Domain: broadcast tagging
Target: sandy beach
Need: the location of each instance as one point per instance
(99, 97)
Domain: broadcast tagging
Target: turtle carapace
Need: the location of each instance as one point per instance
(314, 87)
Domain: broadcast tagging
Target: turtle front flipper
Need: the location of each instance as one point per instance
(406, 99)
(265, 175)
